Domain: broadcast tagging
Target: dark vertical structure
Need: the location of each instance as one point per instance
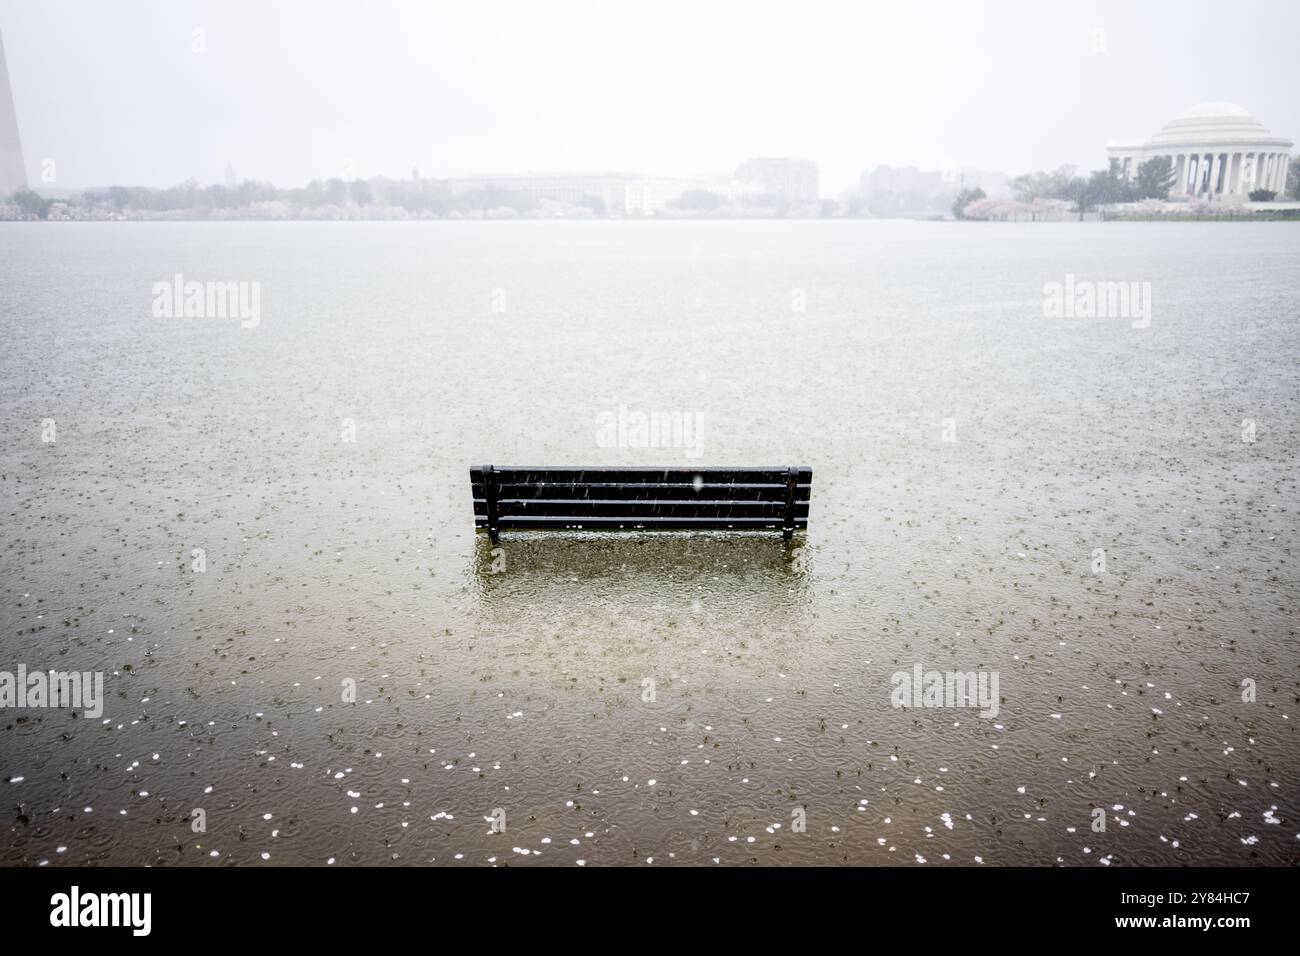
(490, 496)
(13, 175)
(791, 486)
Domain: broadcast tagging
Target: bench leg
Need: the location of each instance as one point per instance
(490, 495)
(791, 483)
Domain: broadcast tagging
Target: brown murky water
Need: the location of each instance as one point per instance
(523, 689)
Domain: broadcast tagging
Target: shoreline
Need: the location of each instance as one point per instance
(1279, 215)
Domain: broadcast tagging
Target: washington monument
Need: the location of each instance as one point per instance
(12, 174)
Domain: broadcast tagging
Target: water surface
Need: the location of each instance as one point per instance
(452, 344)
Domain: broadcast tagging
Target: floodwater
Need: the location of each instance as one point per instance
(1074, 504)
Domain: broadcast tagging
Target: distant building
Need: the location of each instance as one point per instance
(652, 195)
(13, 175)
(909, 191)
(572, 188)
(617, 192)
(792, 180)
(903, 181)
(1216, 149)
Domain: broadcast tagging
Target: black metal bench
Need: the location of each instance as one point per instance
(640, 499)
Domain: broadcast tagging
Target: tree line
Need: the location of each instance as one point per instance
(1104, 187)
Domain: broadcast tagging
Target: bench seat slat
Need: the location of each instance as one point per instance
(578, 522)
(642, 509)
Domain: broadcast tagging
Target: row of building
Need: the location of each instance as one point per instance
(1216, 149)
(760, 181)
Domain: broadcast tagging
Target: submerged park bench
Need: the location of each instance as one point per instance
(640, 499)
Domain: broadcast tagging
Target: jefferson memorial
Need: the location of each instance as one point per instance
(1218, 149)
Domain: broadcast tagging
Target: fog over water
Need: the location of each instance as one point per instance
(140, 93)
(970, 457)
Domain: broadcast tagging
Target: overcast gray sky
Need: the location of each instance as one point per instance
(115, 92)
